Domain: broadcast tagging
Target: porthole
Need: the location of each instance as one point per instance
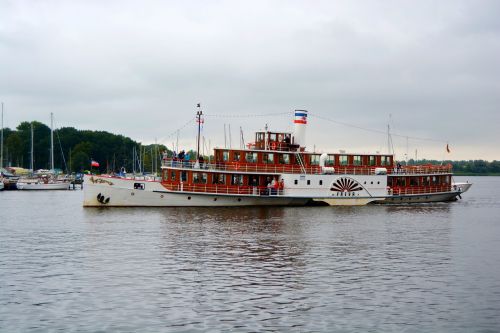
(320, 182)
(161, 196)
(239, 199)
(308, 182)
(372, 183)
(295, 181)
(215, 199)
(132, 193)
(189, 198)
(365, 182)
(378, 182)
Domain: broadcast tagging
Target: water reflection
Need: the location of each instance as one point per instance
(377, 268)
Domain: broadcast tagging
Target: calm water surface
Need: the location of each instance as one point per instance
(422, 268)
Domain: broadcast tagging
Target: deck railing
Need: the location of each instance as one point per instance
(419, 190)
(421, 169)
(223, 189)
(297, 169)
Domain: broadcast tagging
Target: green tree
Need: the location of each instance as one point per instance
(79, 161)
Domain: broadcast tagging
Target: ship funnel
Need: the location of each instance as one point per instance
(299, 132)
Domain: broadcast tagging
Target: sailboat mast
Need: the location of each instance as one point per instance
(31, 162)
(1, 143)
(51, 141)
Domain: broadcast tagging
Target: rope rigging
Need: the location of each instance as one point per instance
(375, 130)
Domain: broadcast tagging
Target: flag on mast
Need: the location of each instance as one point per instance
(94, 164)
(448, 148)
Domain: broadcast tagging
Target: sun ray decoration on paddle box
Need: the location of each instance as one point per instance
(346, 184)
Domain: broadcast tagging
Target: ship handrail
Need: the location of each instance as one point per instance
(419, 190)
(236, 166)
(225, 189)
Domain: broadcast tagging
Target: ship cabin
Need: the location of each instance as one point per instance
(249, 170)
(420, 180)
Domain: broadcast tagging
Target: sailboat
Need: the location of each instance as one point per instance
(7, 179)
(46, 181)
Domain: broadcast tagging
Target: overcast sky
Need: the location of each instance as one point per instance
(138, 68)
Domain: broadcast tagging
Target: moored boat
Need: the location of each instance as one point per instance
(277, 169)
(42, 183)
(9, 180)
(45, 179)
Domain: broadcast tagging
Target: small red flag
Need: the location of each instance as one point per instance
(94, 164)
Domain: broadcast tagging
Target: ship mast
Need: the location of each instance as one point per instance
(51, 141)
(199, 113)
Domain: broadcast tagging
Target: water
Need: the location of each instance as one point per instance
(423, 268)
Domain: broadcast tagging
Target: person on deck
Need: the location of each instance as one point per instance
(274, 186)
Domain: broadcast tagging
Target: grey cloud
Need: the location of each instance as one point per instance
(139, 68)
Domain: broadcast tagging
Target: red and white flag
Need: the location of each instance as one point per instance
(94, 164)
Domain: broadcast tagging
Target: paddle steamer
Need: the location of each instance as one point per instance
(276, 169)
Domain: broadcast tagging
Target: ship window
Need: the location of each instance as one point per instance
(384, 160)
(237, 180)
(296, 182)
(253, 180)
(284, 158)
(356, 160)
(138, 186)
(314, 159)
(343, 159)
(402, 181)
(268, 158)
(320, 182)
(308, 182)
(225, 156)
(272, 137)
(251, 157)
(165, 176)
(331, 160)
(371, 160)
(236, 156)
(183, 176)
(219, 179)
(199, 178)
(172, 175)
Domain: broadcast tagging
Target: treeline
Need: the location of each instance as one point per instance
(471, 167)
(74, 149)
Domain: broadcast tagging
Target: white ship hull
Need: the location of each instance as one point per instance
(127, 192)
(43, 186)
(120, 192)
